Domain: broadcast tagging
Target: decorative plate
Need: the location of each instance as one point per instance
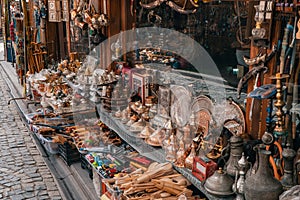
(202, 102)
(233, 126)
(202, 108)
(234, 118)
(203, 118)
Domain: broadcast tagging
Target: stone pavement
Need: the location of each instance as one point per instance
(23, 171)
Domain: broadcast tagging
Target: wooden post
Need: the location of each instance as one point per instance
(256, 126)
(124, 26)
(61, 40)
(114, 15)
(106, 53)
(68, 29)
(5, 30)
(25, 36)
(25, 25)
(253, 105)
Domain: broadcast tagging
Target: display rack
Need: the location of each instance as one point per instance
(156, 154)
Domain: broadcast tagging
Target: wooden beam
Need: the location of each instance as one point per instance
(5, 26)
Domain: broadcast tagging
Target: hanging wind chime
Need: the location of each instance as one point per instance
(181, 6)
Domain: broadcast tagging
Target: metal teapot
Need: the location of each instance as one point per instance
(236, 150)
(219, 184)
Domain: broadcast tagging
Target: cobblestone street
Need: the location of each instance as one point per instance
(23, 171)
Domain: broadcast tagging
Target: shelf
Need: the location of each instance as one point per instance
(198, 184)
(210, 83)
(154, 153)
(92, 167)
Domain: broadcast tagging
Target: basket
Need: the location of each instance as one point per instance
(68, 153)
(108, 189)
(36, 95)
(49, 145)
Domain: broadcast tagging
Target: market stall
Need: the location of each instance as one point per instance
(152, 120)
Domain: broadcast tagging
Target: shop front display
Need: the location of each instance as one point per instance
(146, 125)
(135, 120)
(165, 117)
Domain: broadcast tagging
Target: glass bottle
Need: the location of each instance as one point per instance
(258, 31)
(180, 155)
(190, 159)
(187, 136)
(172, 147)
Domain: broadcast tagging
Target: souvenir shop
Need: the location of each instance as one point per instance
(164, 99)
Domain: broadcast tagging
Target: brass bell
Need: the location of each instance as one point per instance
(138, 126)
(147, 131)
(82, 25)
(125, 117)
(156, 138)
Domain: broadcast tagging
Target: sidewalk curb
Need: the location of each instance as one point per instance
(51, 161)
(14, 92)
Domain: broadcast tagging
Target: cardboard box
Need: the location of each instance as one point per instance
(203, 167)
(140, 84)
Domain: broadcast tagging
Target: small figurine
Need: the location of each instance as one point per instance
(43, 10)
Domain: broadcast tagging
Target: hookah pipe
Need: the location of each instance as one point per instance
(269, 140)
(280, 129)
(269, 92)
(292, 92)
(284, 46)
(293, 83)
(295, 96)
(279, 132)
(277, 172)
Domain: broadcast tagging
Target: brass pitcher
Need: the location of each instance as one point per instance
(297, 167)
(262, 185)
(288, 155)
(236, 150)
